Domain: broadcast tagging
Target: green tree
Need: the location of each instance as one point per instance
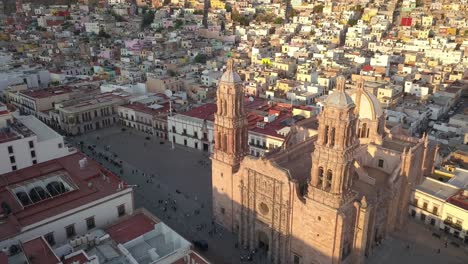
(318, 9)
(178, 23)
(172, 73)
(237, 17)
(200, 58)
(148, 18)
(358, 8)
(103, 34)
(278, 20)
(198, 12)
(352, 22)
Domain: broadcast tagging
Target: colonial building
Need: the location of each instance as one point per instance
(324, 198)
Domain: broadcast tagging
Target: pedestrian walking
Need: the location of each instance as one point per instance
(438, 251)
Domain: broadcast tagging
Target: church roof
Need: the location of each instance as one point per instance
(339, 99)
(369, 107)
(230, 75)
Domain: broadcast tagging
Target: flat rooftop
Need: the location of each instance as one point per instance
(68, 186)
(41, 130)
(38, 251)
(132, 227)
(437, 188)
(44, 93)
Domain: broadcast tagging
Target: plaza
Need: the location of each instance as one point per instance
(183, 175)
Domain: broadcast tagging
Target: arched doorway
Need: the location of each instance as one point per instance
(263, 241)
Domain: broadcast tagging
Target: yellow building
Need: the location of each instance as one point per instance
(443, 205)
(286, 65)
(217, 4)
(426, 21)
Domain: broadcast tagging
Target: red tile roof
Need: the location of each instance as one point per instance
(3, 257)
(367, 68)
(131, 228)
(459, 200)
(43, 93)
(38, 251)
(80, 258)
(205, 112)
(89, 182)
(7, 136)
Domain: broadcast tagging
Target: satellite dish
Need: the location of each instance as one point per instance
(168, 93)
(251, 99)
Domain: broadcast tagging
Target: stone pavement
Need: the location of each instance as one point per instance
(423, 248)
(182, 174)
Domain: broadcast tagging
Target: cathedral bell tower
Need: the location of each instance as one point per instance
(331, 175)
(231, 139)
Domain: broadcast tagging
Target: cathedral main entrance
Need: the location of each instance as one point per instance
(263, 241)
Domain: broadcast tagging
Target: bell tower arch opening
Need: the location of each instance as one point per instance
(230, 134)
(335, 144)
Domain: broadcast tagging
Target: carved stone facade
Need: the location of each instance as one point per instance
(329, 198)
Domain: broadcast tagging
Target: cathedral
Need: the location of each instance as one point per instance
(326, 197)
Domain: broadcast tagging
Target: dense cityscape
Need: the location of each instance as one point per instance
(220, 131)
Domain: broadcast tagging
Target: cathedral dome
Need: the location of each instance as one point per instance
(230, 75)
(369, 106)
(339, 99)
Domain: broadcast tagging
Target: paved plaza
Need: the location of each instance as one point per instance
(179, 174)
(423, 248)
(183, 175)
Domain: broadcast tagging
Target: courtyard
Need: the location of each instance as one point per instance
(175, 185)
